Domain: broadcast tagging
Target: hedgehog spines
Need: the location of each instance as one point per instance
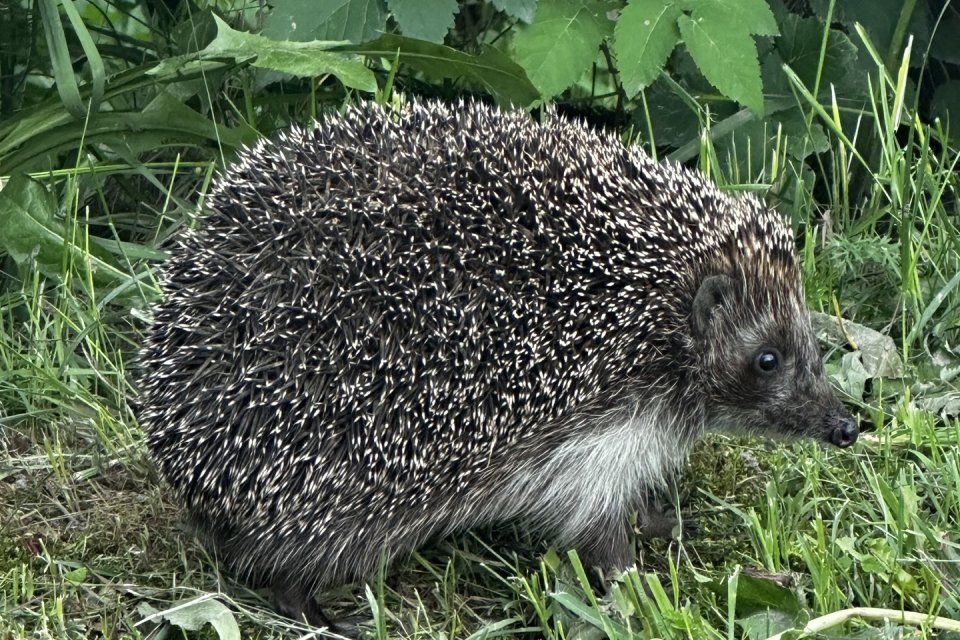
(390, 317)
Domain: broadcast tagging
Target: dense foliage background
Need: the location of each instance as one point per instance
(844, 114)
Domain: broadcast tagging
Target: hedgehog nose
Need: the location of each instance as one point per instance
(845, 432)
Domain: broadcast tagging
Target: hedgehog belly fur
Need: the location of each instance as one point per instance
(597, 477)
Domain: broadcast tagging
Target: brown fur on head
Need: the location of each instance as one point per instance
(756, 355)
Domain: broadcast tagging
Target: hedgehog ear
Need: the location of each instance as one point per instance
(713, 291)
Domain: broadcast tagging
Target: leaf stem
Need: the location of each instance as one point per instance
(896, 42)
(837, 618)
(621, 94)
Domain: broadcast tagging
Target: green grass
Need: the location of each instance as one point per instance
(92, 546)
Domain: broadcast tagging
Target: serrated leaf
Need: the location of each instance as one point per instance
(306, 59)
(31, 233)
(945, 105)
(491, 69)
(645, 34)
(801, 140)
(751, 16)
(674, 121)
(520, 9)
(749, 145)
(164, 121)
(879, 19)
(727, 57)
(764, 624)
(758, 591)
(424, 19)
(852, 376)
(19, 135)
(946, 404)
(196, 614)
(560, 44)
(351, 20)
(944, 45)
(76, 576)
(799, 47)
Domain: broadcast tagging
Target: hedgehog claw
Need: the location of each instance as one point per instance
(297, 604)
(654, 523)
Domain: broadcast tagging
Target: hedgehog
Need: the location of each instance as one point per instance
(407, 321)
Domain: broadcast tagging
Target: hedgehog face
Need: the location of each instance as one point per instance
(760, 366)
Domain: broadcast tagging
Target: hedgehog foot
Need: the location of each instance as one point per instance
(607, 548)
(298, 604)
(656, 523)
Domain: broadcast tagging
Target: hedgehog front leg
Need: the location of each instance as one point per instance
(298, 603)
(606, 546)
(658, 522)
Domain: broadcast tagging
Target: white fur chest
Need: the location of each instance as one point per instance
(599, 476)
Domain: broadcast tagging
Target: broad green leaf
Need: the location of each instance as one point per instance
(727, 57)
(759, 592)
(491, 69)
(878, 352)
(296, 58)
(946, 106)
(944, 46)
(164, 122)
(645, 35)
(946, 404)
(799, 47)
(520, 9)
(171, 118)
(498, 629)
(194, 32)
(801, 141)
(196, 614)
(674, 121)
(764, 624)
(188, 67)
(351, 20)
(76, 576)
(852, 376)
(30, 230)
(29, 134)
(751, 16)
(749, 145)
(722, 128)
(879, 18)
(777, 94)
(424, 19)
(560, 44)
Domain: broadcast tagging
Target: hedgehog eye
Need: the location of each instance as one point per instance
(766, 361)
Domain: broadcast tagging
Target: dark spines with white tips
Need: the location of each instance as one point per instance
(400, 323)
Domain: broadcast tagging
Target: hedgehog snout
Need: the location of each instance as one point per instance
(842, 430)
